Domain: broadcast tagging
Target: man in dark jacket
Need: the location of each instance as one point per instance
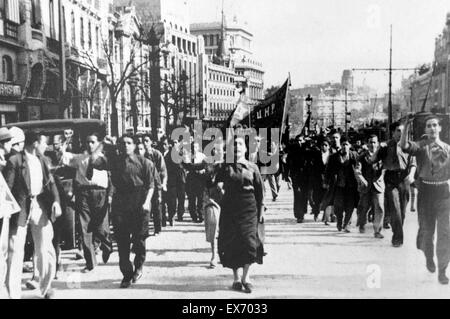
(175, 196)
(319, 163)
(372, 188)
(298, 162)
(157, 159)
(133, 180)
(341, 178)
(34, 188)
(93, 196)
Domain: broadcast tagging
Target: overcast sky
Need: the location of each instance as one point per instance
(316, 40)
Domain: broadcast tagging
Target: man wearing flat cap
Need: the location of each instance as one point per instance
(5, 146)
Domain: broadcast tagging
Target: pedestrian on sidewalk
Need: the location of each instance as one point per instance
(213, 200)
(433, 162)
(92, 198)
(341, 179)
(157, 159)
(133, 179)
(319, 162)
(371, 195)
(28, 176)
(196, 182)
(175, 197)
(241, 213)
(400, 171)
(265, 169)
(298, 163)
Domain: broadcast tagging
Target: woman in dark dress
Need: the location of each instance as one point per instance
(241, 211)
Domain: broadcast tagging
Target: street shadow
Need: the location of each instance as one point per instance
(161, 252)
(169, 264)
(319, 244)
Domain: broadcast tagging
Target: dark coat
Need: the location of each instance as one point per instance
(318, 168)
(298, 161)
(17, 176)
(176, 174)
(331, 176)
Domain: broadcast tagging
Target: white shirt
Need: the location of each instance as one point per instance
(325, 157)
(36, 175)
(199, 158)
(80, 163)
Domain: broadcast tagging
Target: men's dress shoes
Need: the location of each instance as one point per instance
(78, 256)
(126, 283)
(443, 279)
(379, 236)
(105, 256)
(50, 294)
(32, 285)
(339, 228)
(171, 223)
(137, 275)
(362, 230)
(386, 226)
(397, 245)
(299, 220)
(431, 266)
(346, 230)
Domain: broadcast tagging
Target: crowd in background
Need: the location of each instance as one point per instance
(134, 181)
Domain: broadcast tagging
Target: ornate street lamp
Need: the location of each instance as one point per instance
(309, 102)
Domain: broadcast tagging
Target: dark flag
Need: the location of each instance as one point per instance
(271, 113)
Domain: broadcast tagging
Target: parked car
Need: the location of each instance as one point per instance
(73, 132)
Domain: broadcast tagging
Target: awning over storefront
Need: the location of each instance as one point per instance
(8, 108)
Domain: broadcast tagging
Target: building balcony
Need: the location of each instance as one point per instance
(37, 35)
(9, 33)
(11, 30)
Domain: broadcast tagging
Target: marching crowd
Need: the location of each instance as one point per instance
(134, 181)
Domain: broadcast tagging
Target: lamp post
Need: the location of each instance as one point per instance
(309, 101)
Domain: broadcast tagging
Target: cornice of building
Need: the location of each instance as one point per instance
(217, 26)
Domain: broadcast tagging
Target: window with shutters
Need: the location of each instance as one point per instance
(51, 9)
(97, 39)
(90, 35)
(36, 14)
(82, 32)
(9, 12)
(72, 28)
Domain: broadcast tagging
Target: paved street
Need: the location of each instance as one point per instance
(304, 261)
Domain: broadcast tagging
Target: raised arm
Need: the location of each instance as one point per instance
(404, 140)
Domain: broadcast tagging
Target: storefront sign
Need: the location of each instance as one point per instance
(10, 90)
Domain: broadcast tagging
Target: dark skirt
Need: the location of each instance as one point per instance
(238, 242)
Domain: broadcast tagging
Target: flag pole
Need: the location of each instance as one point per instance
(285, 111)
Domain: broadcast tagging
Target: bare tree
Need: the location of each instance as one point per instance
(115, 78)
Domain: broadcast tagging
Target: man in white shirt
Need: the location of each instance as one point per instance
(29, 179)
(196, 183)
